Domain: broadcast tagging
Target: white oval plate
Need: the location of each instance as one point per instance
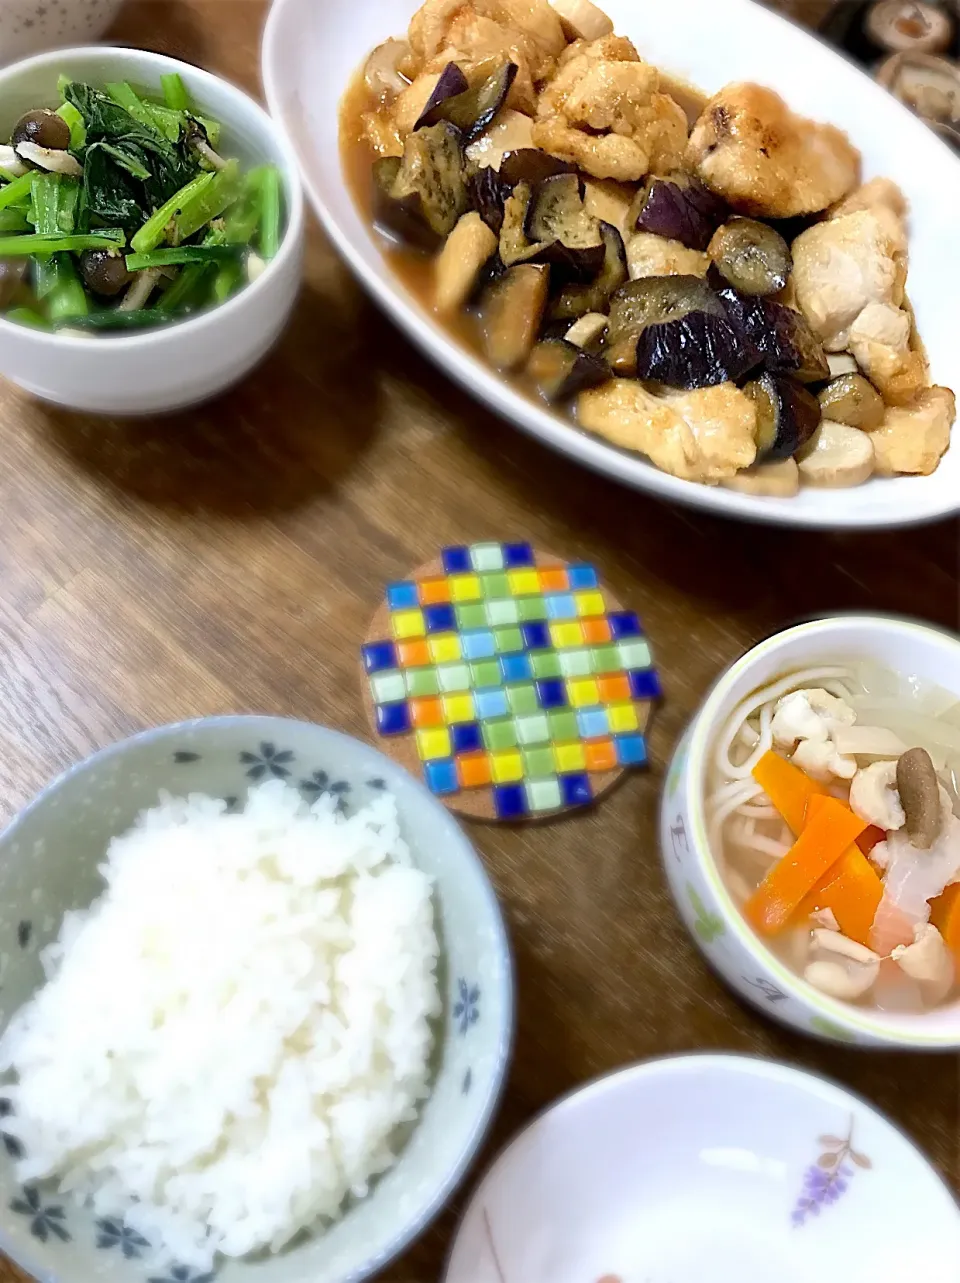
(709, 1169)
(311, 51)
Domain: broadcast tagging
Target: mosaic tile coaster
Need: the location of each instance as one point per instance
(513, 683)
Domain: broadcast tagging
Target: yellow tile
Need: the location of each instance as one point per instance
(589, 603)
(506, 767)
(570, 757)
(458, 708)
(622, 718)
(465, 588)
(523, 583)
(433, 743)
(583, 692)
(445, 649)
(566, 635)
(407, 624)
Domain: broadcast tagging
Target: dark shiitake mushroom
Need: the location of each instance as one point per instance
(753, 257)
(470, 110)
(557, 219)
(429, 190)
(561, 370)
(787, 416)
(104, 273)
(853, 400)
(575, 301)
(528, 165)
(43, 128)
(680, 208)
(511, 312)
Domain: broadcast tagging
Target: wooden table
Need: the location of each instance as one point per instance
(229, 559)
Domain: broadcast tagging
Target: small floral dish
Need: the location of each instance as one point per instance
(48, 864)
(29, 26)
(915, 651)
(708, 1167)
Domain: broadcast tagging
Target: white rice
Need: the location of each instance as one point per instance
(231, 1036)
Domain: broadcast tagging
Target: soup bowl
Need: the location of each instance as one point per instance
(705, 904)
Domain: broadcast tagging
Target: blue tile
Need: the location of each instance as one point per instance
(536, 636)
(478, 645)
(378, 656)
(516, 555)
(491, 703)
(516, 668)
(561, 606)
(402, 596)
(456, 561)
(552, 692)
(576, 790)
(631, 750)
(393, 719)
(466, 737)
(592, 722)
(440, 618)
(441, 776)
(624, 623)
(644, 684)
(582, 578)
(510, 801)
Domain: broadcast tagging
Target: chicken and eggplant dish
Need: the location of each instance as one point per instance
(704, 282)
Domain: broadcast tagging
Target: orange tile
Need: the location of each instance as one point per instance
(601, 755)
(426, 712)
(433, 592)
(596, 631)
(473, 770)
(614, 689)
(413, 654)
(554, 579)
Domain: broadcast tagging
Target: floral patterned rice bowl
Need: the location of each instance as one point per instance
(48, 864)
(709, 1169)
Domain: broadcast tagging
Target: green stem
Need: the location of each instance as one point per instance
(155, 228)
(184, 254)
(106, 238)
(269, 180)
(78, 130)
(174, 92)
(218, 196)
(18, 191)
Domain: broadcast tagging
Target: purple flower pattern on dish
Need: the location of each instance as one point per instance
(829, 1177)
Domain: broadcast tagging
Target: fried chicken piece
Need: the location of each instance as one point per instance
(706, 436)
(751, 149)
(914, 438)
(879, 193)
(881, 341)
(649, 255)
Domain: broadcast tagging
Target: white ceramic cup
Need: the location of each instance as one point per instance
(152, 371)
(29, 26)
(705, 905)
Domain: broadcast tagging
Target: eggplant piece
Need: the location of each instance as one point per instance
(853, 400)
(528, 165)
(751, 256)
(431, 183)
(575, 301)
(488, 195)
(561, 370)
(515, 244)
(779, 336)
(787, 416)
(674, 330)
(558, 220)
(399, 218)
(511, 314)
(452, 84)
(471, 110)
(679, 208)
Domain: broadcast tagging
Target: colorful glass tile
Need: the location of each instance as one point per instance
(623, 624)
(551, 693)
(566, 635)
(501, 611)
(465, 588)
(486, 556)
(453, 678)
(644, 684)
(496, 585)
(421, 681)
(516, 668)
(592, 722)
(538, 762)
(433, 592)
(614, 688)
(569, 757)
(473, 770)
(606, 659)
(499, 735)
(491, 704)
(531, 609)
(407, 624)
(583, 692)
(622, 718)
(523, 583)
(533, 729)
(553, 579)
(402, 596)
(478, 644)
(426, 712)
(575, 790)
(543, 795)
(456, 561)
(517, 554)
(446, 649)
(440, 618)
(601, 755)
(561, 606)
(458, 708)
(393, 719)
(506, 767)
(575, 663)
(596, 632)
(563, 725)
(508, 639)
(634, 654)
(441, 777)
(522, 699)
(388, 687)
(466, 737)
(485, 673)
(510, 802)
(589, 604)
(378, 656)
(536, 635)
(582, 577)
(471, 615)
(413, 654)
(545, 663)
(631, 750)
(433, 743)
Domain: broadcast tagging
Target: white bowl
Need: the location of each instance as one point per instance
(706, 906)
(700, 1168)
(27, 26)
(311, 52)
(163, 369)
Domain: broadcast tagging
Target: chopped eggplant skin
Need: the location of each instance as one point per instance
(575, 301)
(561, 370)
(511, 314)
(472, 110)
(488, 195)
(515, 244)
(853, 400)
(557, 219)
(751, 256)
(452, 84)
(779, 336)
(400, 218)
(528, 165)
(787, 416)
(679, 208)
(431, 178)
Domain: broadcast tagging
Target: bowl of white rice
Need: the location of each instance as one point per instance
(256, 1010)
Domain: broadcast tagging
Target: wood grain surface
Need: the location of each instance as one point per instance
(230, 559)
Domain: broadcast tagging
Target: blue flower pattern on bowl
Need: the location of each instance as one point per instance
(319, 784)
(112, 1233)
(182, 1274)
(829, 1177)
(466, 1011)
(269, 761)
(46, 1220)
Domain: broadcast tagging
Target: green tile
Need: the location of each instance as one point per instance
(543, 795)
(486, 556)
(471, 615)
(496, 585)
(453, 678)
(499, 735)
(485, 672)
(503, 610)
(508, 640)
(531, 609)
(538, 762)
(575, 663)
(533, 730)
(422, 681)
(523, 700)
(563, 725)
(388, 687)
(635, 654)
(606, 659)
(545, 663)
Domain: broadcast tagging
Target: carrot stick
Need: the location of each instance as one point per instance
(870, 838)
(852, 891)
(787, 787)
(945, 916)
(831, 830)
